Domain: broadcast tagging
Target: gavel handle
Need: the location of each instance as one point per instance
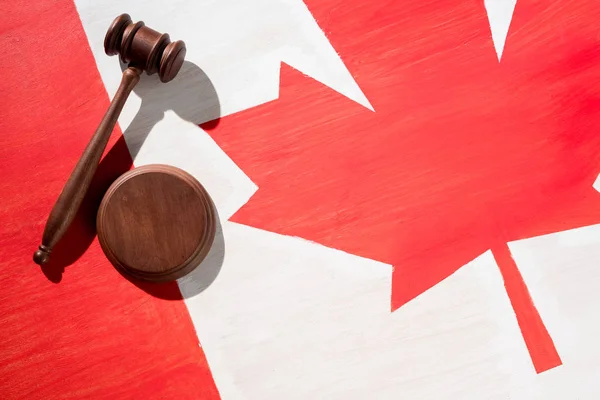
(72, 195)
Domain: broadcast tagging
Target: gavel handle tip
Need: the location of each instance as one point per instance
(41, 255)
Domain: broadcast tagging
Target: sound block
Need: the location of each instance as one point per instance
(156, 223)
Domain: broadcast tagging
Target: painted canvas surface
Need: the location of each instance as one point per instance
(405, 193)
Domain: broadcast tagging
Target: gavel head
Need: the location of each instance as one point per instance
(144, 48)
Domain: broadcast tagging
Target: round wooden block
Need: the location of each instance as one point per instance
(156, 223)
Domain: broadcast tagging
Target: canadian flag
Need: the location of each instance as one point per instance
(269, 314)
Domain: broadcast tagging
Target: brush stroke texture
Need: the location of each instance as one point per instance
(462, 155)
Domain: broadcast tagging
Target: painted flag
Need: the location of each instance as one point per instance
(293, 301)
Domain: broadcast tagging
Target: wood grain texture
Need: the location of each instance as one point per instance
(93, 335)
(156, 223)
(144, 49)
(70, 198)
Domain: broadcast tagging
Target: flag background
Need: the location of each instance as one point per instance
(267, 316)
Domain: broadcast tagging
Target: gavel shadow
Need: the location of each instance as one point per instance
(192, 96)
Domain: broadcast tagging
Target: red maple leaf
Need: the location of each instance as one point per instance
(462, 154)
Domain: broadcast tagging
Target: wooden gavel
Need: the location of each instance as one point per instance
(144, 49)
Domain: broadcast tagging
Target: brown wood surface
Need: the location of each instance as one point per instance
(156, 223)
(144, 49)
(74, 191)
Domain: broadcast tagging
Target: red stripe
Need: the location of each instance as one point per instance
(539, 343)
(92, 334)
